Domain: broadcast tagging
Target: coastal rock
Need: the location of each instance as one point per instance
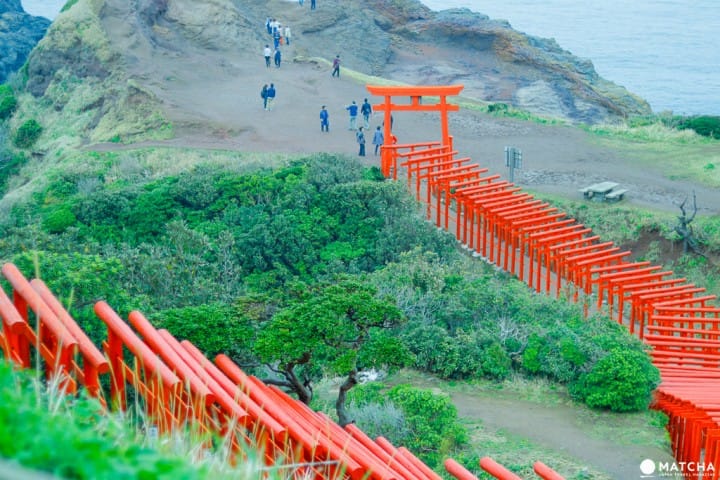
(100, 56)
(19, 33)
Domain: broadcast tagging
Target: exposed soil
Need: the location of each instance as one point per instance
(213, 99)
(593, 439)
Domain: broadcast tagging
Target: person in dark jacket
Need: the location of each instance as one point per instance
(270, 96)
(324, 120)
(378, 139)
(278, 57)
(360, 136)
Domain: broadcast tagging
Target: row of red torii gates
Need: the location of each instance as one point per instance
(555, 254)
(180, 388)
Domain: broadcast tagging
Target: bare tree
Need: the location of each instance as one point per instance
(684, 227)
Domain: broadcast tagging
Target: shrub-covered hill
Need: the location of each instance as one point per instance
(243, 248)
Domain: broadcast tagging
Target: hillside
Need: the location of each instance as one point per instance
(109, 75)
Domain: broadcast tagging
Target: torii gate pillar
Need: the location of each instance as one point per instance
(417, 104)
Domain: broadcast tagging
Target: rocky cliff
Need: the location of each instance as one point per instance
(19, 33)
(101, 58)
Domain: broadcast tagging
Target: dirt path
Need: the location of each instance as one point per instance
(603, 442)
(213, 99)
(559, 428)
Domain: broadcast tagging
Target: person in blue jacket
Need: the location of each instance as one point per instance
(270, 96)
(324, 120)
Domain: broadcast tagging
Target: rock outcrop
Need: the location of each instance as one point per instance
(99, 57)
(19, 33)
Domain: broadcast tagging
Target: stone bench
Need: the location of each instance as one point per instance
(616, 195)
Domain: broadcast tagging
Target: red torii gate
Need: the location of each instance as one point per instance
(417, 104)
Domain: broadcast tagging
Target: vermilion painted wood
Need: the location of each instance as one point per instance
(57, 345)
(94, 363)
(392, 451)
(389, 154)
(497, 470)
(261, 424)
(458, 471)
(314, 448)
(545, 472)
(612, 283)
(149, 376)
(416, 94)
(512, 221)
(558, 248)
(393, 462)
(359, 464)
(17, 334)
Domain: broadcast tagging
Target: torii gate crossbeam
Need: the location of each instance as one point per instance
(418, 103)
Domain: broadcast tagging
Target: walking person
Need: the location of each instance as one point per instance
(360, 137)
(336, 66)
(301, 2)
(378, 139)
(276, 37)
(353, 111)
(312, 4)
(264, 96)
(267, 53)
(324, 120)
(287, 34)
(270, 96)
(366, 110)
(278, 58)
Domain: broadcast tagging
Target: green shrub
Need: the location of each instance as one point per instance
(8, 102)
(432, 422)
(10, 164)
(58, 219)
(27, 134)
(213, 328)
(380, 419)
(622, 381)
(705, 125)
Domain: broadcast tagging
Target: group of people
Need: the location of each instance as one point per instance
(353, 109)
(281, 35)
(378, 140)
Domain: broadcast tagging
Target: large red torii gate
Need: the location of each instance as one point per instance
(417, 104)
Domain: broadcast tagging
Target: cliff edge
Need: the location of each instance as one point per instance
(122, 70)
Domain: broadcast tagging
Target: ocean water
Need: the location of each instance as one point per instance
(43, 8)
(665, 51)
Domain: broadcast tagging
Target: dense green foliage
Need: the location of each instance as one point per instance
(618, 381)
(27, 134)
(10, 164)
(705, 125)
(73, 439)
(8, 102)
(276, 267)
(214, 328)
(423, 421)
(465, 322)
